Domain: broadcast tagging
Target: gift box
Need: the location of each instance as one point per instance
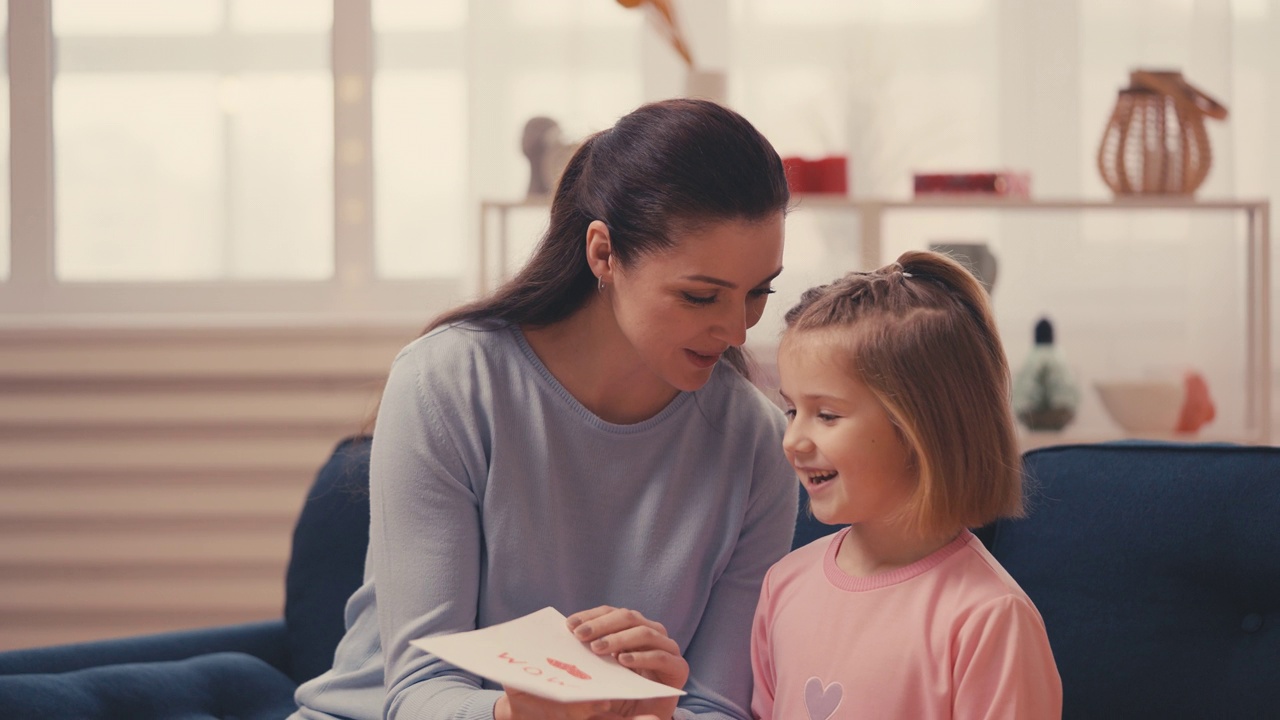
(822, 175)
(1004, 183)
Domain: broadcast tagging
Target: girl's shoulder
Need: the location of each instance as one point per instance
(807, 558)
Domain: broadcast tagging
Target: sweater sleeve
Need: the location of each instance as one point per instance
(425, 545)
(1004, 667)
(719, 654)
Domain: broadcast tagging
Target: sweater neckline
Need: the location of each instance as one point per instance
(576, 406)
(844, 581)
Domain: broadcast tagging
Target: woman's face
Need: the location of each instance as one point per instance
(682, 308)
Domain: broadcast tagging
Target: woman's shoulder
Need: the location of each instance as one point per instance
(459, 344)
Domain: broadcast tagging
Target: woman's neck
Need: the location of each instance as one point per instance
(588, 354)
(874, 548)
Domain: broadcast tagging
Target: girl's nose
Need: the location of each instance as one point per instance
(794, 442)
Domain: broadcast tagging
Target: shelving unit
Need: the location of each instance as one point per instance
(871, 214)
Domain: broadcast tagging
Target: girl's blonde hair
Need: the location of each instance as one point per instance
(920, 334)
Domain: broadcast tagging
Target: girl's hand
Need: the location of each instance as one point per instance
(640, 644)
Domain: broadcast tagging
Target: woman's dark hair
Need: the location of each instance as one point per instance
(666, 168)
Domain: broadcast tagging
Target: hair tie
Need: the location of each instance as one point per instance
(898, 268)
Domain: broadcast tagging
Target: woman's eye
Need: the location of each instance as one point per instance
(762, 292)
(699, 299)
(827, 417)
(790, 413)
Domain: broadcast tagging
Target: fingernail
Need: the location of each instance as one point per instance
(583, 631)
(600, 644)
(626, 657)
(574, 622)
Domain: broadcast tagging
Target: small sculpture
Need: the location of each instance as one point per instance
(1045, 396)
(547, 153)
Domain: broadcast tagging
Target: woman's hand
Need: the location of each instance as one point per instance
(637, 642)
(640, 644)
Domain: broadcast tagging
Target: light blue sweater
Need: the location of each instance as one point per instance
(495, 493)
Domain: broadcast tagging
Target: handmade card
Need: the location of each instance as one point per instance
(537, 654)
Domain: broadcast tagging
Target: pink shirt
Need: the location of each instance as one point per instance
(949, 636)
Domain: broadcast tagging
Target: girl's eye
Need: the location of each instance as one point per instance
(698, 299)
(827, 417)
(790, 413)
(762, 292)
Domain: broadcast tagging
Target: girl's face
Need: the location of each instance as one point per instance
(846, 451)
(682, 308)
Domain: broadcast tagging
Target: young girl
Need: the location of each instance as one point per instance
(897, 391)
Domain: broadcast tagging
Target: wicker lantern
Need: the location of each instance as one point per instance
(1155, 142)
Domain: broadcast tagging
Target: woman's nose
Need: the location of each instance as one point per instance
(732, 328)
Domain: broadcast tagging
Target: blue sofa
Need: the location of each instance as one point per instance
(1156, 567)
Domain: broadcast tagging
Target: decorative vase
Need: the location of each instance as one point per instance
(1045, 396)
(1155, 141)
(710, 85)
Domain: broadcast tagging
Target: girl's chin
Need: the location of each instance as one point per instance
(827, 517)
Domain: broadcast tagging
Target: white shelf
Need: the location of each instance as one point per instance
(871, 211)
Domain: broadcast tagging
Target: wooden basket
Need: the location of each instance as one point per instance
(1155, 142)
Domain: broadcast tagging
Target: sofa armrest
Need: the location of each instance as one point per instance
(217, 685)
(265, 640)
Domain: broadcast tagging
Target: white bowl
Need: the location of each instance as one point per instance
(1143, 406)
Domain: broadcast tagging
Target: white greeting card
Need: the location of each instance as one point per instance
(537, 654)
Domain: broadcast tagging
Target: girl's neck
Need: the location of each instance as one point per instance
(588, 354)
(870, 549)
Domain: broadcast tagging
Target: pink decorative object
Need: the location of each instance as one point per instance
(1197, 409)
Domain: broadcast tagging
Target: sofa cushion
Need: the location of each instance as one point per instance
(1156, 567)
(264, 639)
(326, 564)
(218, 685)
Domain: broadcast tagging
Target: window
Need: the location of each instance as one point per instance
(193, 140)
(4, 140)
(237, 160)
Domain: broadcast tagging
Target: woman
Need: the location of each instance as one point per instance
(586, 438)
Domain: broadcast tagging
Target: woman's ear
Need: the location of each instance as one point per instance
(600, 251)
